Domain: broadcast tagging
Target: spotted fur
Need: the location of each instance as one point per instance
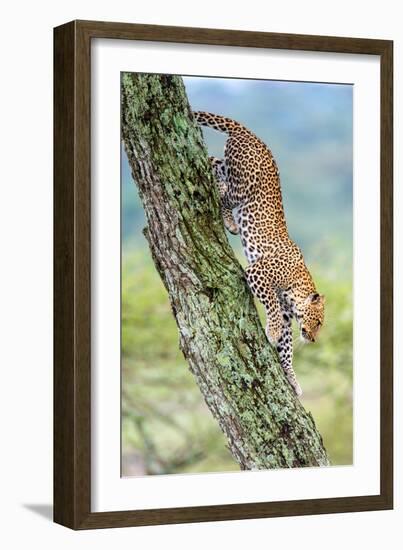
(249, 186)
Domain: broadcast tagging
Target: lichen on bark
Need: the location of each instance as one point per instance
(219, 329)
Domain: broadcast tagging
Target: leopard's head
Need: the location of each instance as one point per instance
(312, 315)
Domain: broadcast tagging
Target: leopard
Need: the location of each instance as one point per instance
(249, 188)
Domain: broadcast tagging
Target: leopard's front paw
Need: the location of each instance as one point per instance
(293, 382)
(297, 389)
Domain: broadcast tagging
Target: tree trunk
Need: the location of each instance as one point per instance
(220, 332)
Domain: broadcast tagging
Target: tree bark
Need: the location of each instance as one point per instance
(220, 333)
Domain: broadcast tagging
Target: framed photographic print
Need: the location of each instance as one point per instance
(222, 275)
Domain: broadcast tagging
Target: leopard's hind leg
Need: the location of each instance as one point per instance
(218, 167)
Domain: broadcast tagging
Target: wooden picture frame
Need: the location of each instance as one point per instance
(72, 272)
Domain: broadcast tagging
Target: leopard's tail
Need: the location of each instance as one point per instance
(217, 122)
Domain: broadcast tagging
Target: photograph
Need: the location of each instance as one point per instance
(236, 274)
